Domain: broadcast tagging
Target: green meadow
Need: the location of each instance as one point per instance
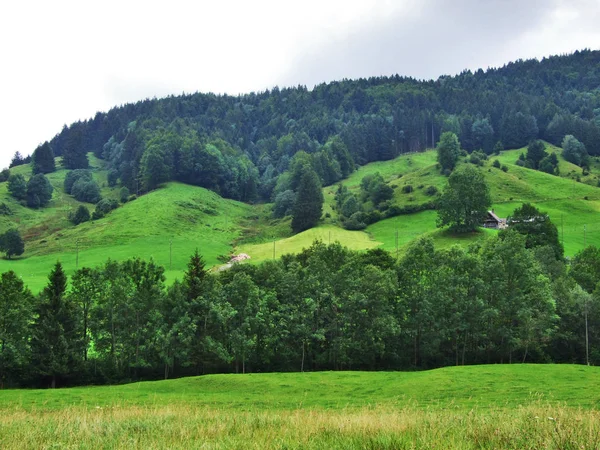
(499, 406)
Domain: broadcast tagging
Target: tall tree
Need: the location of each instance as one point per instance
(309, 202)
(73, 153)
(39, 191)
(42, 160)
(536, 151)
(448, 151)
(465, 201)
(16, 303)
(55, 339)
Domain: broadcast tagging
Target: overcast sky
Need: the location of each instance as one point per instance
(64, 60)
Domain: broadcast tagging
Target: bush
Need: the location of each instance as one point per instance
(5, 210)
(17, 186)
(112, 177)
(11, 243)
(496, 164)
(4, 175)
(407, 189)
(124, 194)
(86, 191)
(431, 191)
(73, 176)
(504, 168)
(355, 222)
(103, 207)
(81, 215)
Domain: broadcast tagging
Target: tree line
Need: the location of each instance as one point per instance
(510, 299)
(240, 146)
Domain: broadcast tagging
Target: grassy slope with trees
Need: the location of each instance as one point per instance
(191, 217)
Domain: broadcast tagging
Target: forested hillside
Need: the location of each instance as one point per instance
(239, 146)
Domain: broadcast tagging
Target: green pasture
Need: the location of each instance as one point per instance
(493, 386)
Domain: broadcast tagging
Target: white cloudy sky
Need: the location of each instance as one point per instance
(63, 60)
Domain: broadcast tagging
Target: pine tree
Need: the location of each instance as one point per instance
(42, 160)
(309, 202)
(55, 342)
(74, 155)
(194, 276)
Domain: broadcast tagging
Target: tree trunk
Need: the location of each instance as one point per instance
(53, 385)
(302, 364)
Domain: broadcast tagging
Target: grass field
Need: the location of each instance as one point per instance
(500, 406)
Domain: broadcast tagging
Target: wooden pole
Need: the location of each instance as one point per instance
(76, 254)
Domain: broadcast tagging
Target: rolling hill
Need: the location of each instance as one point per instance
(169, 223)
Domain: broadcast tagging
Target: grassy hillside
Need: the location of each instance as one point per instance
(501, 406)
(169, 223)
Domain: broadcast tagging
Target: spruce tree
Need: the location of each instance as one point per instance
(194, 276)
(309, 202)
(55, 342)
(42, 160)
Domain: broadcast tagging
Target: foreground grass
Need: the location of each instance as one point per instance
(510, 406)
(189, 427)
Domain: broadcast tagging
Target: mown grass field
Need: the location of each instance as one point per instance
(500, 406)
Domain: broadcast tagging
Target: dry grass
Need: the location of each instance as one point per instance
(181, 426)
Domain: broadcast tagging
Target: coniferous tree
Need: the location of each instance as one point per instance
(39, 191)
(309, 202)
(73, 154)
(42, 160)
(55, 342)
(17, 186)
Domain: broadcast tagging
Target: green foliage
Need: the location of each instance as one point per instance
(496, 164)
(465, 201)
(11, 243)
(448, 151)
(498, 147)
(86, 191)
(103, 207)
(537, 228)
(309, 202)
(42, 160)
(16, 304)
(75, 175)
(574, 151)
(483, 135)
(56, 346)
(284, 204)
(17, 186)
(536, 152)
(39, 191)
(124, 194)
(81, 215)
(4, 175)
(74, 153)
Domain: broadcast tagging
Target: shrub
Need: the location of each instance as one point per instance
(124, 194)
(81, 215)
(431, 191)
(407, 189)
(504, 168)
(496, 164)
(73, 176)
(103, 207)
(4, 175)
(86, 191)
(17, 186)
(112, 177)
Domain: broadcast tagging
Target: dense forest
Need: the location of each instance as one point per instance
(242, 146)
(511, 299)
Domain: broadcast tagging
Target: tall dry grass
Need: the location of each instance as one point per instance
(189, 427)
